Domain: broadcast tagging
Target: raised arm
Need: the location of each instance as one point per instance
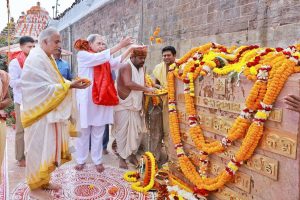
(129, 50)
(88, 59)
(123, 43)
(116, 63)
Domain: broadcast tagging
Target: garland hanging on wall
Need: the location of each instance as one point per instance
(269, 68)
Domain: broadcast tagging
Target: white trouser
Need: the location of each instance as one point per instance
(83, 143)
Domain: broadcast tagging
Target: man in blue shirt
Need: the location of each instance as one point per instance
(63, 66)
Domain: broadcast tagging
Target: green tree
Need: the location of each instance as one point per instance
(3, 62)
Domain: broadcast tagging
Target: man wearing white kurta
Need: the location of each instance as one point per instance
(93, 118)
(15, 68)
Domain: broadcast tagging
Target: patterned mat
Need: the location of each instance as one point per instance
(86, 184)
(3, 179)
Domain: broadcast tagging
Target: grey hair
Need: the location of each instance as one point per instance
(46, 33)
(92, 37)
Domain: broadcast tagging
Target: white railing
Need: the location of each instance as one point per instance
(77, 12)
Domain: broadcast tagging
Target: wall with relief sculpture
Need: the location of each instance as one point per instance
(273, 171)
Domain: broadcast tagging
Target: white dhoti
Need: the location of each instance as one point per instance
(129, 126)
(128, 132)
(47, 109)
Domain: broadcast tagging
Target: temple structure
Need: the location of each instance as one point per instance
(32, 22)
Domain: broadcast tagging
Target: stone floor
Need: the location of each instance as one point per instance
(16, 175)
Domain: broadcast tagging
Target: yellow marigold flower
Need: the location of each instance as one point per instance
(298, 46)
(253, 71)
(91, 186)
(261, 115)
(158, 40)
(232, 166)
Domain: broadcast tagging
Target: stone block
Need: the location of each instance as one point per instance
(249, 9)
(230, 26)
(244, 2)
(226, 4)
(231, 13)
(213, 17)
(214, 7)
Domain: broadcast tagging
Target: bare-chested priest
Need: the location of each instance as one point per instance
(129, 127)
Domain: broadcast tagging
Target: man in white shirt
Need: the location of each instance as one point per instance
(15, 70)
(94, 117)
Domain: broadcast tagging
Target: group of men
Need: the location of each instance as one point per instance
(47, 107)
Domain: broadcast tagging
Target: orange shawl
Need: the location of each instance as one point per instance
(21, 57)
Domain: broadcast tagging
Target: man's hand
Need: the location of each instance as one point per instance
(126, 42)
(136, 46)
(150, 89)
(158, 86)
(80, 84)
(293, 102)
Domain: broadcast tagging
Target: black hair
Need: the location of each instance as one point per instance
(169, 48)
(26, 39)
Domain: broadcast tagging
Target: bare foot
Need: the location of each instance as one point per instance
(40, 194)
(79, 167)
(52, 186)
(133, 160)
(105, 152)
(123, 164)
(100, 168)
(22, 163)
(114, 147)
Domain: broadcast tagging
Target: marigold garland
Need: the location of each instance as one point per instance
(130, 176)
(269, 68)
(148, 181)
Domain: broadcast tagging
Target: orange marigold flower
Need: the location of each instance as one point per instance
(156, 33)
(113, 190)
(158, 29)
(151, 38)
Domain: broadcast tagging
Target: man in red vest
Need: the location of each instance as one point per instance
(15, 70)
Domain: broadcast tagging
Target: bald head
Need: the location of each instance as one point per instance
(97, 42)
(50, 41)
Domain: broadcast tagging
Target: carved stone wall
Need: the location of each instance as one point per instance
(273, 170)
